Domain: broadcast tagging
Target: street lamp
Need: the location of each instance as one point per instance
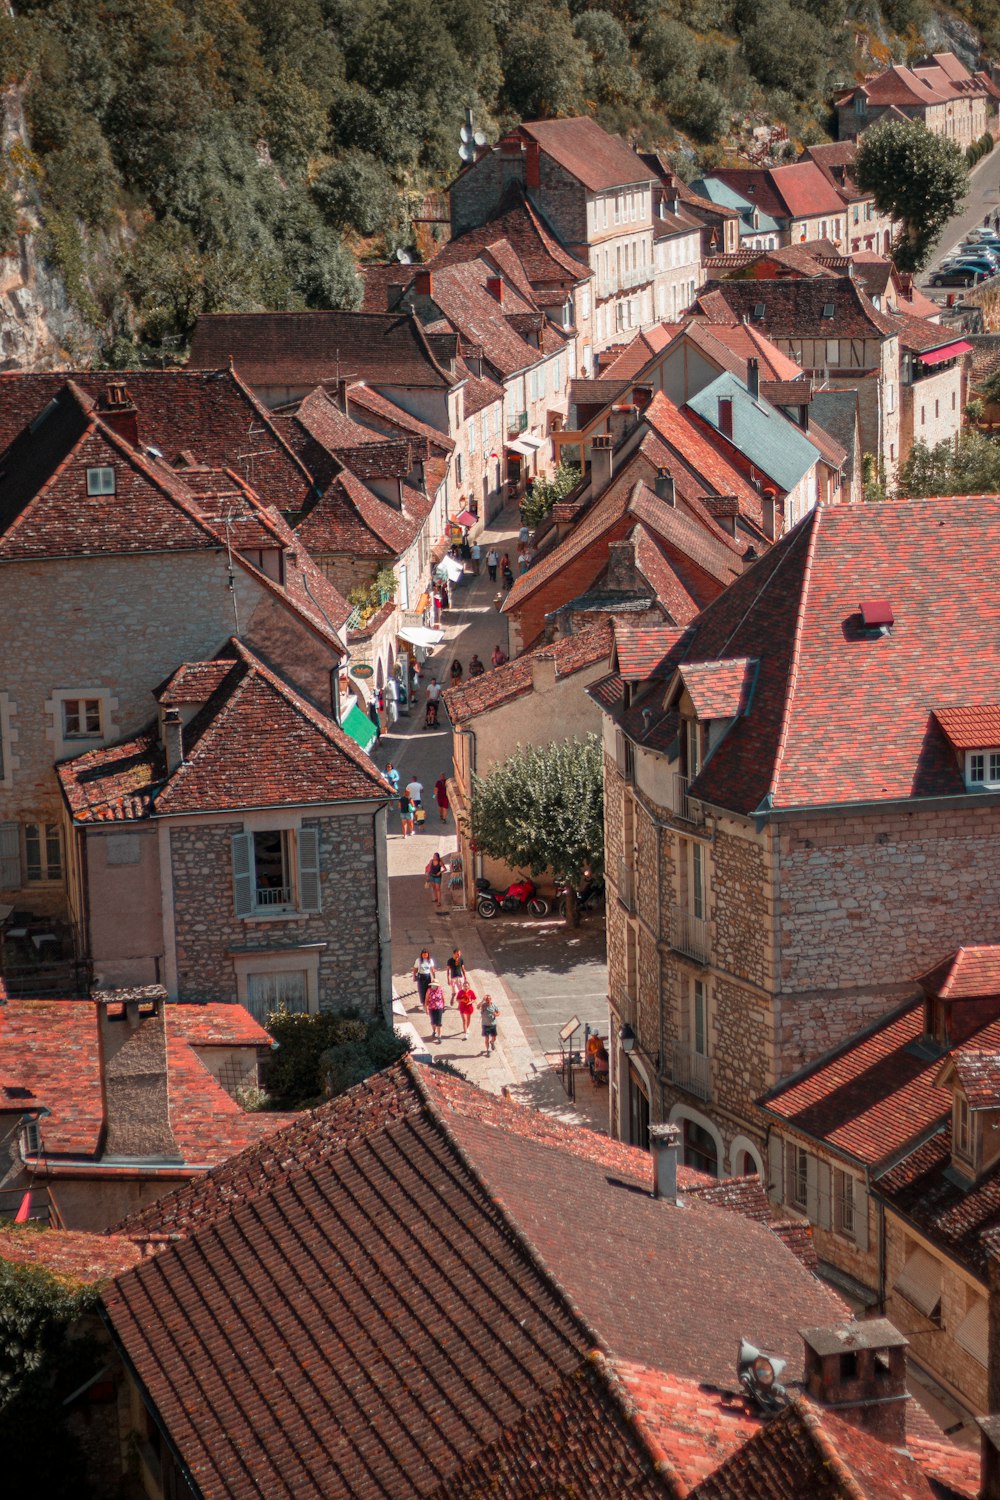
(627, 1038)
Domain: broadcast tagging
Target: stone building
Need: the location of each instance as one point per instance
(795, 816)
(798, 198)
(938, 91)
(115, 567)
(888, 1145)
(234, 849)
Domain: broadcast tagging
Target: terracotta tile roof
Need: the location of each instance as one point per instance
(388, 415)
(501, 685)
(871, 701)
(479, 393)
(351, 519)
(599, 160)
(873, 1096)
(974, 726)
(694, 1427)
(731, 345)
(209, 413)
(806, 1451)
(254, 743)
(310, 348)
(699, 455)
(194, 682)
(970, 973)
(795, 309)
(903, 86)
(637, 354)
(957, 1469)
(209, 1024)
(71, 1255)
(923, 1189)
(773, 446)
(797, 191)
(979, 1074)
(663, 575)
(497, 328)
(521, 227)
(720, 689)
(52, 1047)
(640, 648)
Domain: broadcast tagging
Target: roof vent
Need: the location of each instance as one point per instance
(758, 311)
(828, 309)
(877, 615)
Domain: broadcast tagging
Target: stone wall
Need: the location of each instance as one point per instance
(739, 904)
(935, 1347)
(740, 1045)
(208, 930)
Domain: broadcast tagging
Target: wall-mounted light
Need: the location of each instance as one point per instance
(627, 1038)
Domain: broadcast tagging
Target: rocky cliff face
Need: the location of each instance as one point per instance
(38, 325)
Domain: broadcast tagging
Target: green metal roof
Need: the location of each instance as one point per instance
(361, 729)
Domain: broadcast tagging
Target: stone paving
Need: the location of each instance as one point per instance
(538, 962)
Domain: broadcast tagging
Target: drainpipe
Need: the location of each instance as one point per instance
(881, 1246)
(382, 925)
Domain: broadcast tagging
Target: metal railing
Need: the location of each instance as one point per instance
(626, 885)
(683, 805)
(689, 934)
(691, 1071)
(518, 422)
(273, 895)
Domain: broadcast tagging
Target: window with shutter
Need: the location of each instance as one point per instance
(860, 1214)
(973, 1331)
(243, 873)
(310, 898)
(10, 857)
(920, 1282)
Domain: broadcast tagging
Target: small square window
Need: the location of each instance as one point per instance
(977, 767)
(81, 718)
(101, 481)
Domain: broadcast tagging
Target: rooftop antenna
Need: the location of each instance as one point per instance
(249, 458)
(226, 522)
(403, 258)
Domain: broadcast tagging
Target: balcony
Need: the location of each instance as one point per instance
(269, 897)
(691, 1071)
(637, 276)
(689, 935)
(684, 806)
(607, 286)
(626, 885)
(518, 422)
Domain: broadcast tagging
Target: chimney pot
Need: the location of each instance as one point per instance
(601, 462)
(665, 487)
(423, 284)
(117, 411)
(664, 1144)
(494, 285)
(753, 377)
(726, 416)
(173, 739)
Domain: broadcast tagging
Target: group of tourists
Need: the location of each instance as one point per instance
(462, 995)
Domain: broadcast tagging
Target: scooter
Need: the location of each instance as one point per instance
(518, 895)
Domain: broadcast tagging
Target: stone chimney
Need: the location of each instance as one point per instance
(494, 285)
(173, 739)
(858, 1370)
(665, 487)
(769, 502)
(753, 377)
(602, 458)
(726, 416)
(342, 397)
(133, 1059)
(620, 574)
(532, 165)
(423, 283)
(989, 1458)
(543, 673)
(664, 1146)
(116, 410)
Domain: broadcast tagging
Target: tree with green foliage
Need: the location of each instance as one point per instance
(973, 468)
(545, 492)
(543, 808)
(321, 1054)
(915, 176)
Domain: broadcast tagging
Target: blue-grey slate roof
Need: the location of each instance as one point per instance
(767, 438)
(727, 197)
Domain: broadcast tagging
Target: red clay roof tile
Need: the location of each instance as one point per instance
(70, 1255)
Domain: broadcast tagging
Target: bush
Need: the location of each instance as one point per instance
(356, 192)
(318, 1052)
(545, 492)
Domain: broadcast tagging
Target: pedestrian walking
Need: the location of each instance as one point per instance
(456, 672)
(508, 576)
(434, 870)
(492, 563)
(499, 655)
(434, 1006)
(505, 563)
(477, 556)
(457, 976)
(476, 668)
(373, 715)
(441, 797)
(498, 601)
(415, 791)
(424, 973)
(406, 813)
(392, 776)
(466, 1005)
(488, 1015)
(524, 534)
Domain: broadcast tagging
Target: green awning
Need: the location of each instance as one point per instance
(359, 727)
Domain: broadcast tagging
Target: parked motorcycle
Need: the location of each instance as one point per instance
(590, 897)
(520, 894)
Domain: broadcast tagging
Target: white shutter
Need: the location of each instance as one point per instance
(823, 1194)
(860, 1213)
(243, 873)
(775, 1167)
(920, 1282)
(10, 856)
(309, 887)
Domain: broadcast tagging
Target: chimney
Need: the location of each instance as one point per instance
(116, 410)
(858, 1370)
(753, 376)
(989, 1458)
(726, 416)
(532, 165)
(664, 1144)
(133, 1059)
(423, 283)
(494, 285)
(602, 457)
(769, 501)
(621, 575)
(665, 486)
(173, 739)
(543, 673)
(642, 395)
(342, 398)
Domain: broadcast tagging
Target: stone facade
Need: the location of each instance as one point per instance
(933, 1343)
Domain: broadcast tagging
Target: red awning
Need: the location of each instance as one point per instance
(464, 518)
(948, 351)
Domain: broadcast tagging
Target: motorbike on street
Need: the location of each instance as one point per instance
(521, 894)
(590, 897)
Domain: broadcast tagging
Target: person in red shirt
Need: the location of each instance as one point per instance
(466, 1005)
(441, 797)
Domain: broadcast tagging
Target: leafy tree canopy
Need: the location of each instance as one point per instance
(543, 808)
(915, 176)
(971, 469)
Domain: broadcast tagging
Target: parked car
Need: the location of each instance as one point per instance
(957, 275)
(977, 263)
(983, 236)
(978, 252)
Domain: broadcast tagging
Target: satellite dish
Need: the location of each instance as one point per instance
(468, 153)
(479, 138)
(403, 258)
(466, 134)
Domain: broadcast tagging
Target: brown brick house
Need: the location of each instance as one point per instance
(794, 814)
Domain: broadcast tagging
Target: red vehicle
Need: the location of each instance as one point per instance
(520, 894)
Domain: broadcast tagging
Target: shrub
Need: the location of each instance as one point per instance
(318, 1052)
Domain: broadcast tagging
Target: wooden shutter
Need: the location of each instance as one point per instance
(10, 856)
(823, 1194)
(860, 1213)
(243, 873)
(309, 885)
(812, 1188)
(775, 1166)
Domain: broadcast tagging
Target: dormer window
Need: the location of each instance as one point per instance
(963, 1128)
(101, 481)
(860, 104)
(982, 769)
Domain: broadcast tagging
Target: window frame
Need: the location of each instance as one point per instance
(844, 1206)
(301, 868)
(97, 481)
(979, 762)
(49, 871)
(81, 708)
(798, 1177)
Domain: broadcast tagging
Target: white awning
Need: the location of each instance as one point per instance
(920, 1282)
(418, 635)
(533, 443)
(525, 445)
(453, 568)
